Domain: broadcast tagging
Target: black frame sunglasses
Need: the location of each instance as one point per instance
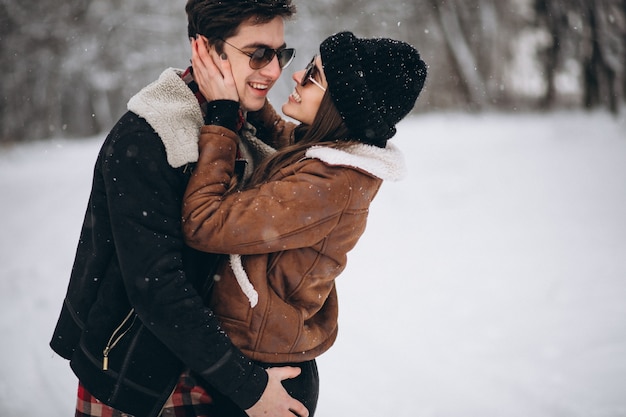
(262, 56)
(309, 74)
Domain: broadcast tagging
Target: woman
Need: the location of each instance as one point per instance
(288, 231)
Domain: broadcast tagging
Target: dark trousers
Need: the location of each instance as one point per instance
(304, 388)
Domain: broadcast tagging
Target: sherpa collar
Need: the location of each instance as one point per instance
(384, 163)
(171, 108)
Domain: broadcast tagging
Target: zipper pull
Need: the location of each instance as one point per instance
(105, 359)
(115, 338)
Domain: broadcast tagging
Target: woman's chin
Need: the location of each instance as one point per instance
(287, 111)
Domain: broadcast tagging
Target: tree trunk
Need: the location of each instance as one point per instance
(602, 63)
(462, 56)
(549, 13)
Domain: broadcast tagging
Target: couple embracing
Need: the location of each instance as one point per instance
(204, 279)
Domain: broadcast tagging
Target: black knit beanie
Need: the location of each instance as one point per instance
(373, 82)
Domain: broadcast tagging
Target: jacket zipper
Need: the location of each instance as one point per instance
(115, 338)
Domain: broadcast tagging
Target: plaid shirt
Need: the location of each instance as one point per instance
(189, 399)
(89, 406)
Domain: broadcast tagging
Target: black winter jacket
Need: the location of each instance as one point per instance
(133, 317)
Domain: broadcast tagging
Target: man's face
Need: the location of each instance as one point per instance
(253, 85)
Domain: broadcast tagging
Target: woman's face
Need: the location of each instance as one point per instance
(304, 102)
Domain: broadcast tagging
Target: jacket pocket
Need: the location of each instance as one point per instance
(117, 335)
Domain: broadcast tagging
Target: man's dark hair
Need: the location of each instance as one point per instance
(220, 19)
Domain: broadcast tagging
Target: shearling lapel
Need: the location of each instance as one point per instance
(384, 163)
(171, 108)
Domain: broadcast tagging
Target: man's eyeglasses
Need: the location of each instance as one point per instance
(309, 75)
(262, 56)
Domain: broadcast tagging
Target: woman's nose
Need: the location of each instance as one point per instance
(297, 76)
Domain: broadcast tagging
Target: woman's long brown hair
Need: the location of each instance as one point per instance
(327, 129)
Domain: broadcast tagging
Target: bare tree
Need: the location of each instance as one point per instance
(71, 69)
(603, 54)
(591, 33)
(32, 62)
(553, 18)
(463, 58)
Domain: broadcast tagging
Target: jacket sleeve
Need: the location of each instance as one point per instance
(299, 210)
(271, 127)
(144, 198)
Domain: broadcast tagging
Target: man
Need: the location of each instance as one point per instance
(133, 322)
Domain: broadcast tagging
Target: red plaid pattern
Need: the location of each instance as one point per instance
(188, 400)
(187, 77)
(89, 406)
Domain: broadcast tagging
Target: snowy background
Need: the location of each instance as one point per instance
(490, 283)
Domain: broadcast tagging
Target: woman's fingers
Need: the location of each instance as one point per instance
(226, 70)
(212, 73)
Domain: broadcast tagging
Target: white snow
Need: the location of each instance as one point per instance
(489, 283)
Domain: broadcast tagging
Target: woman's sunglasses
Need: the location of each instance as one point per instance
(309, 75)
(261, 57)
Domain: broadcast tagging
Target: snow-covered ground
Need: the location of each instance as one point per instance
(490, 283)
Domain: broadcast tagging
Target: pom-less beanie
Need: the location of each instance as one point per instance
(374, 83)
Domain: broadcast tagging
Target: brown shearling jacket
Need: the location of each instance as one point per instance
(288, 240)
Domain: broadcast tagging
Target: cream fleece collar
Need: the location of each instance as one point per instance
(384, 163)
(171, 108)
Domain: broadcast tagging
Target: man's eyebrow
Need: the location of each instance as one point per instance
(263, 45)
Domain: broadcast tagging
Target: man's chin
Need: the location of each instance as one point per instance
(252, 108)
(254, 104)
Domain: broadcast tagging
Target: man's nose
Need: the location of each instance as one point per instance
(272, 70)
